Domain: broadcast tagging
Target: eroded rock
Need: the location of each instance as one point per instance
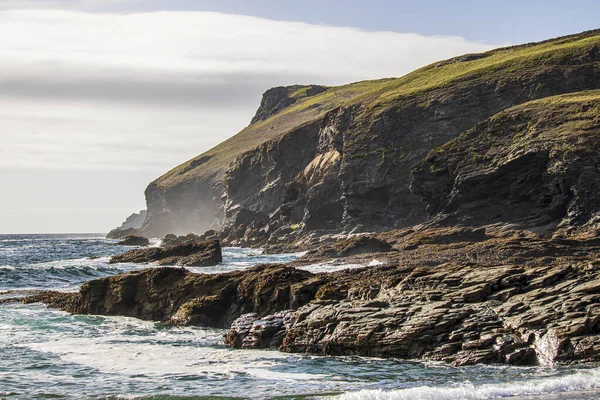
(190, 254)
(133, 240)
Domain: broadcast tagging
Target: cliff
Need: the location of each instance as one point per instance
(480, 177)
(321, 159)
(534, 166)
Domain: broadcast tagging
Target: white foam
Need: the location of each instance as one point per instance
(159, 353)
(578, 382)
(8, 267)
(375, 263)
(328, 267)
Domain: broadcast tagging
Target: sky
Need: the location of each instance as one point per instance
(100, 97)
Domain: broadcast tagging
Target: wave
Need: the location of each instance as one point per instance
(583, 381)
(56, 275)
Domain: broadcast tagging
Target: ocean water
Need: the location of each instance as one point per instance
(49, 354)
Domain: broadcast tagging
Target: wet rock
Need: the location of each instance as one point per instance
(352, 246)
(177, 296)
(133, 240)
(188, 254)
(459, 302)
(119, 233)
(250, 331)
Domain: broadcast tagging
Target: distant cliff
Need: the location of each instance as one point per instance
(318, 159)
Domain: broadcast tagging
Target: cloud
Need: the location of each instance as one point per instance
(62, 4)
(103, 103)
(106, 91)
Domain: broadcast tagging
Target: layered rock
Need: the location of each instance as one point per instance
(535, 165)
(502, 297)
(190, 254)
(177, 296)
(516, 300)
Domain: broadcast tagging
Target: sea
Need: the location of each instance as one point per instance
(49, 354)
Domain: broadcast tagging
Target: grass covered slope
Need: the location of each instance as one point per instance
(380, 93)
(535, 164)
(372, 133)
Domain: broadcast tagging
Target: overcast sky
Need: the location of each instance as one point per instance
(98, 98)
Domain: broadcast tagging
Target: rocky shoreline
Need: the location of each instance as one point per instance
(459, 295)
(468, 190)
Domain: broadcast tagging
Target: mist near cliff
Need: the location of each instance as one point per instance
(96, 106)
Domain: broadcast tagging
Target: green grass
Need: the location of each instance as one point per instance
(373, 97)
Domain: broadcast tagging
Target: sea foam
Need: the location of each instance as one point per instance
(583, 381)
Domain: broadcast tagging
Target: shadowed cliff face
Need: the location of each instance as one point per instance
(350, 169)
(535, 165)
(333, 159)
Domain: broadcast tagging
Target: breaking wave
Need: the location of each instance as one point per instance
(575, 386)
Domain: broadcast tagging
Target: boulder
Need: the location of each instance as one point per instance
(133, 240)
(119, 233)
(188, 254)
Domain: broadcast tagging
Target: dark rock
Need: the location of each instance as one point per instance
(177, 296)
(119, 233)
(278, 98)
(532, 166)
(133, 240)
(188, 254)
(352, 246)
(250, 331)
(440, 301)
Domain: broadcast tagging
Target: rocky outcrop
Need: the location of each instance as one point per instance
(189, 254)
(509, 298)
(278, 98)
(133, 240)
(535, 165)
(352, 246)
(119, 233)
(505, 297)
(177, 296)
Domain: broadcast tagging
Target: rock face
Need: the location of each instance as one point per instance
(131, 224)
(189, 254)
(175, 295)
(535, 165)
(278, 98)
(132, 240)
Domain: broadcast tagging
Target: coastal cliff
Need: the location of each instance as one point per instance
(325, 159)
(477, 178)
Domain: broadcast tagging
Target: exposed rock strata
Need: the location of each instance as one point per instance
(175, 295)
(515, 300)
(498, 296)
(190, 254)
(339, 159)
(535, 165)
